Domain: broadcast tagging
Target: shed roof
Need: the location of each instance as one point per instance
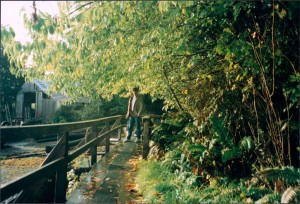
(44, 87)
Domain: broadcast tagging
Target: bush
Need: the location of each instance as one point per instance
(102, 108)
(171, 131)
(65, 114)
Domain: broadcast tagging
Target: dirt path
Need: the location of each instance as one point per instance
(14, 168)
(18, 159)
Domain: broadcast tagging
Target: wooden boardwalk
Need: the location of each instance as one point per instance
(105, 182)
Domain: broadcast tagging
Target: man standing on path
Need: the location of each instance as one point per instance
(134, 114)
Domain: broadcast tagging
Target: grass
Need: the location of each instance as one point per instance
(159, 184)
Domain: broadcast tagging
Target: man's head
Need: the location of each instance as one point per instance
(135, 90)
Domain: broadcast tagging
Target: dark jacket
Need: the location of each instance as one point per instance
(137, 108)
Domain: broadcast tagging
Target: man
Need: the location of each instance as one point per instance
(134, 114)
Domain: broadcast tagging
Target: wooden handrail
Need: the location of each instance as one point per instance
(85, 147)
(13, 133)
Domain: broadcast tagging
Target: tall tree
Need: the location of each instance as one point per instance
(10, 84)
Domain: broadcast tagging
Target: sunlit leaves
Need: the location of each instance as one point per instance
(12, 32)
(195, 55)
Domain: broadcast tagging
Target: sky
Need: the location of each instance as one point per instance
(10, 15)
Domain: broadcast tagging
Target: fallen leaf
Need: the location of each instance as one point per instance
(130, 185)
(133, 170)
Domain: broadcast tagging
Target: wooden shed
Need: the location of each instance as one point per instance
(33, 101)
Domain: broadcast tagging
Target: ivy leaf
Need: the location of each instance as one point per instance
(236, 10)
(247, 143)
(282, 13)
(230, 153)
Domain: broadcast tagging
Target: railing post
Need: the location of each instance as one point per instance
(61, 175)
(119, 133)
(107, 142)
(146, 137)
(93, 149)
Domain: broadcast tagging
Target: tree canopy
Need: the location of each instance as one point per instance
(237, 61)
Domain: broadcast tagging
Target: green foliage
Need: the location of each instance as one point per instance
(291, 92)
(270, 198)
(211, 155)
(171, 131)
(152, 106)
(159, 184)
(115, 106)
(218, 129)
(91, 111)
(65, 114)
(9, 86)
(257, 193)
(96, 109)
(165, 134)
(216, 153)
(208, 58)
(288, 175)
(247, 144)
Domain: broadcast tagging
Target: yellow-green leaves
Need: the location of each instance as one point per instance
(163, 6)
(12, 32)
(282, 13)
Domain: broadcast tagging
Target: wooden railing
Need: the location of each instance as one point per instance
(55, 165)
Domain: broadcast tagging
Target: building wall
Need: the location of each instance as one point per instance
(48, 108)
(20, 105)
(28, 87)
(44, 107)
(39, 105)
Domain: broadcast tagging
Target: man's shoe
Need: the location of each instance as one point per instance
(127, 140)
(137, 140)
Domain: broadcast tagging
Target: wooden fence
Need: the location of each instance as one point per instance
(55, 165)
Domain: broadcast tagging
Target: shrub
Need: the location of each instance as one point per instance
(65, 114)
